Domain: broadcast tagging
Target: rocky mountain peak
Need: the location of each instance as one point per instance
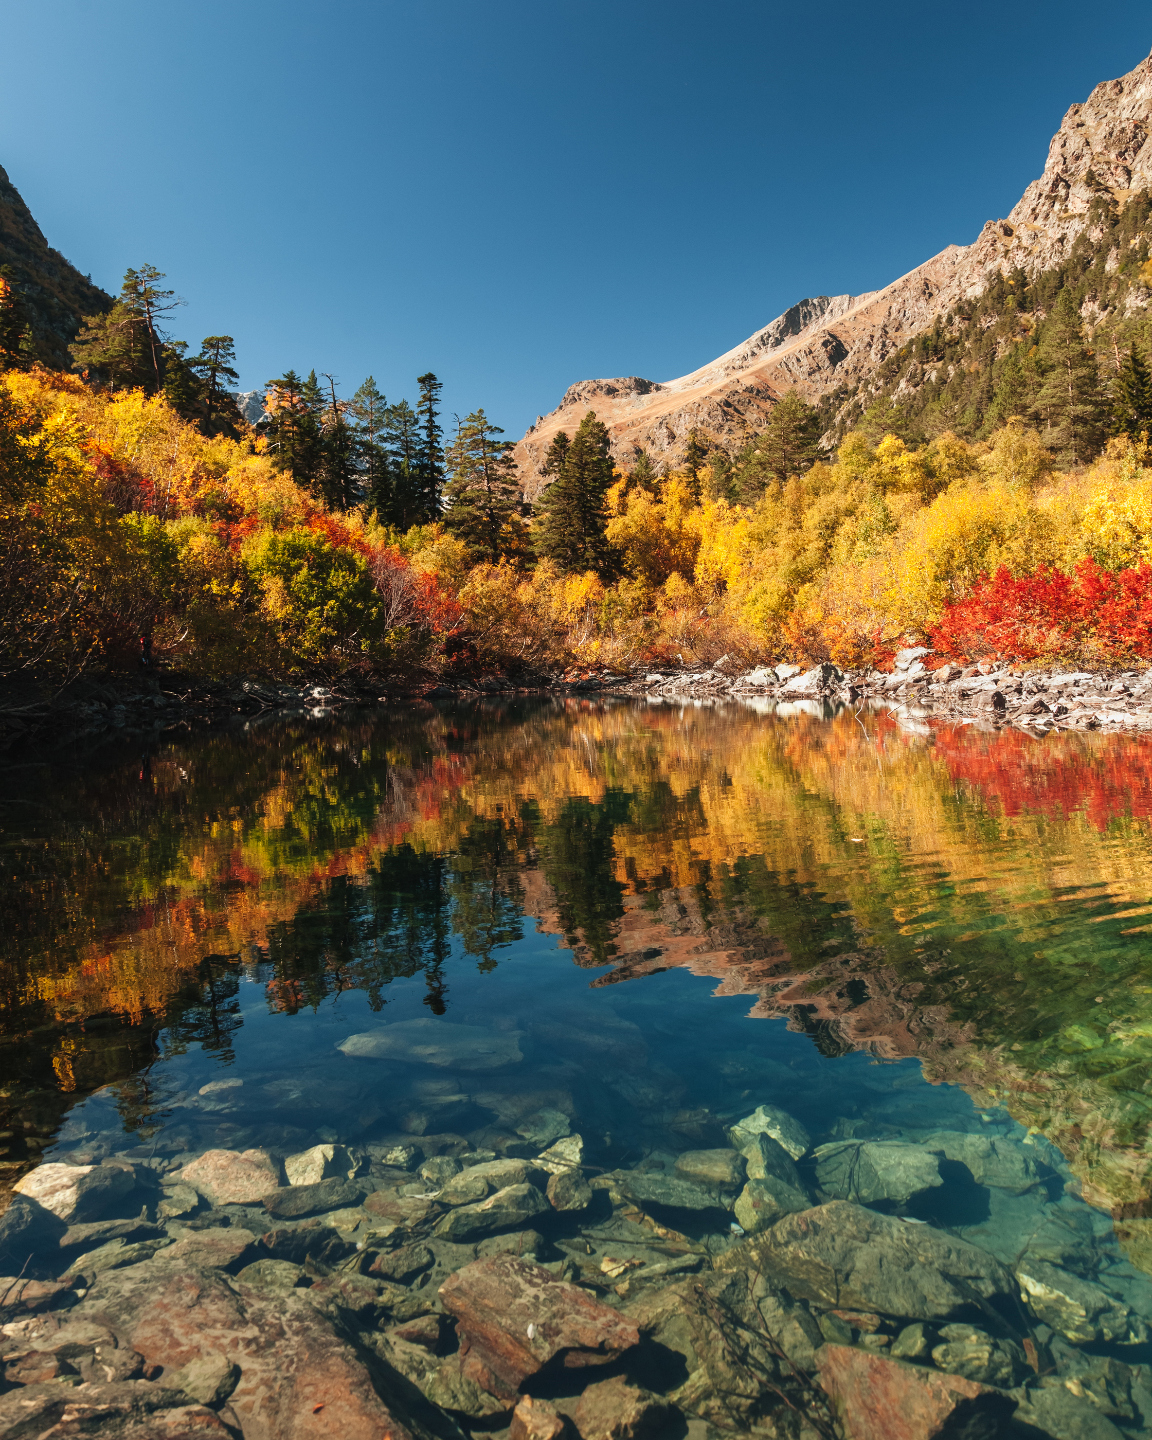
(1103, 148)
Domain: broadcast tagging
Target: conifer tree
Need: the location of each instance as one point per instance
(482, 493)
(125, 348)
(695, 453)
(431, 450)
(1132, 397)
(1071, 401)
(402, 444)
(16, 343)
(338, 478)
(789, 440)
(214, 365)
(370, 417)
(182, 388)
(294, 432)
(573, 512)
(642, 476)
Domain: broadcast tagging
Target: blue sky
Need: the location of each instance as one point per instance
(519, 195)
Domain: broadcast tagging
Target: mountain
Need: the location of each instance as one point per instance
(53, 289)
(831, 349)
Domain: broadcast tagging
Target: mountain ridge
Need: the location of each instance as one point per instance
(823, 344)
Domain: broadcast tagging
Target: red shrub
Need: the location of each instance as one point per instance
(1093, 615)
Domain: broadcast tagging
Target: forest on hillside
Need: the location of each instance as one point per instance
(991, 493)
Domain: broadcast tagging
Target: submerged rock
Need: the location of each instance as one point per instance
(992, 1160)
(506, 1210)
(764, 1157)
(134, 1407)
(515, 1318)
(1079, 1310)
(1053, 1409)
(844, 1256)
(564, 1155)
(77, 1193)
(739, 1358)
(762, 1202)
(292, 1201)
(973, 1353)
(536, 1420)
(544, 1126)
(436, 1042)
(650, 1187)
(230, 1177)
(322, 1162)
(770, 1120)
(877, 1398)
(722, 1168)
(615, 1410)
(870, 1170)
(478, 1181)
(569, 1191)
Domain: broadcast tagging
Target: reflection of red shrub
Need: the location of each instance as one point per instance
(1093, 614)
(1102, 777)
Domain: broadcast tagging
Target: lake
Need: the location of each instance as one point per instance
(915, 958)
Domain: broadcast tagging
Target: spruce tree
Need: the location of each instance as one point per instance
(296, 442)
(402, 445)
(573, 512)
(695, 453)
(1071, 401)
(338, 479)
(215, 366)
(431, 450)
(370, 417)
(642, 476)
(482, 494)
(1132, 397)
(16, 345)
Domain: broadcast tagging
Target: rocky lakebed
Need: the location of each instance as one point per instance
(921, 1269)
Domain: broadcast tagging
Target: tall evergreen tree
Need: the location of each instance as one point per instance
(16, 344)
(788, 442)
(215, 367)
(573, 511)
(294, 430)
(432, 449)
(695, 454)
(126, 347)
(402, 444)
(339, 479)
(369, 410)
(1071, 401)
(482, 494)
(1132, 397)
(642, 476)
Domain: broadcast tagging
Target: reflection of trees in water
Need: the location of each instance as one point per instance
(577, 857)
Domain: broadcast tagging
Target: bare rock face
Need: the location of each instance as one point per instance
(880, 1399)
(1102, 146)
(514, 1318)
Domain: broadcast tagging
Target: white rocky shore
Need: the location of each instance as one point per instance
(919, 687)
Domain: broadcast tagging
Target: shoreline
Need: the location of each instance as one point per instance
(1037, 700)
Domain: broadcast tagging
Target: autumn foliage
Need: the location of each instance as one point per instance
(1093, 616)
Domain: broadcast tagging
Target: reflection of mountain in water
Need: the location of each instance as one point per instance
(999, 886)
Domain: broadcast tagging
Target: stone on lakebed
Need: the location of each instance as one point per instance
(77, 1193)
(231, 1177)
(434, 1042)
(509, 1208)
(515, 1318)
(776, 1123)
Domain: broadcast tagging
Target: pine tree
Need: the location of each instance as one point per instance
(339, 478)
(788, 442)
(370, 414)
(1132, 397)
(718, 477)
(573, 512)
(183, 389)
(695, 453)
(16, 344)
(642, 476)
(214, 365)
(1071, 400)
(402, 445)
(125, 348)
(431, 450)
(293, 406)
(482, 494)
